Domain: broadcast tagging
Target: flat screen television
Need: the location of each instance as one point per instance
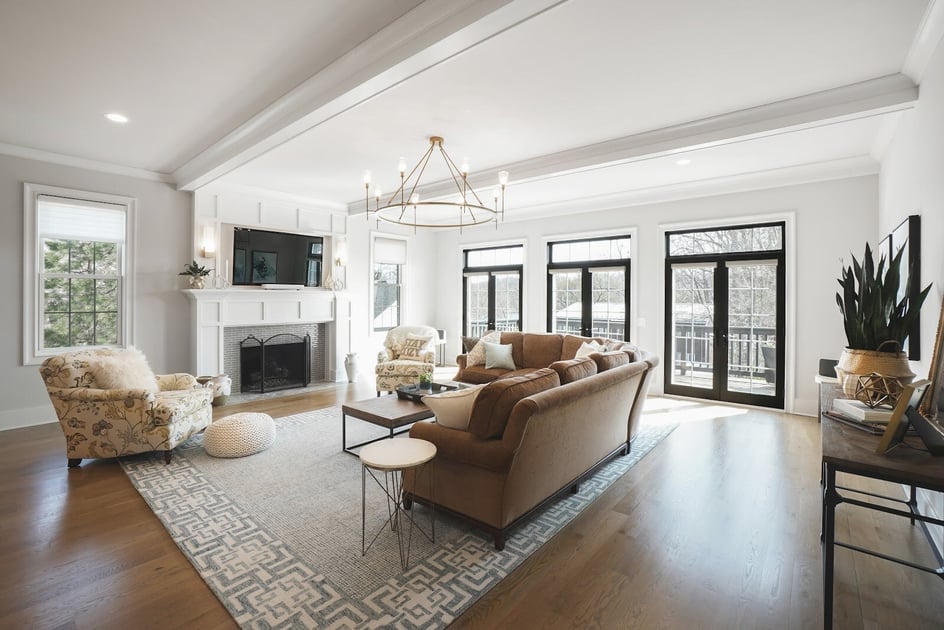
(264, 257)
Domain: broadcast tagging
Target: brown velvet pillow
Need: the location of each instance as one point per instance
(574, 369)
(496, 400)
(607, 360)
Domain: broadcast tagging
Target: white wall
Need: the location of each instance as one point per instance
(832, 219)
(912, 182)
(163, 246)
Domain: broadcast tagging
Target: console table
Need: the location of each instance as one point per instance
(848, 450)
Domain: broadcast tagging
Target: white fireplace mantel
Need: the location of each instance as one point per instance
(213, 310)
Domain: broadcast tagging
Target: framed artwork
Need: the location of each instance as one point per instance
(931, 404)
(907, 238)
(264, 266)
(910, 398)
(239, 266)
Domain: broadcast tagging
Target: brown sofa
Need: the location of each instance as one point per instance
(531, 438)
(537, 350)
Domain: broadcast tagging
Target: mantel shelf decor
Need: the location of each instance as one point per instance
(463, 209)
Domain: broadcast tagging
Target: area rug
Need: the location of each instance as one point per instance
(277, 535)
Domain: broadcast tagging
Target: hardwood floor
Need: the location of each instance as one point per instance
(718, 527)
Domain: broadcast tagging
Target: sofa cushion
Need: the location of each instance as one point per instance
(574, 369)
(570, 344)
(516, 339)
(476, 356)
(498, 355)
(478, 374)
(540, 350)
(453, 409)
(607, 360)
(496, 400)
(124, 370)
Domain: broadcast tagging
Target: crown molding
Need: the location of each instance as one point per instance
(430, 34)
(873, 97)
(84, 163)
(926, 40)
(745, 182)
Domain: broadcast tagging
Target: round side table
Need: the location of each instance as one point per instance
(392, 457)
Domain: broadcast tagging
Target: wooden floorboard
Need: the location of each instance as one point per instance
(718, 527)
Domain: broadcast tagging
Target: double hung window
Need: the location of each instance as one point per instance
(389, 259)
(76, 280)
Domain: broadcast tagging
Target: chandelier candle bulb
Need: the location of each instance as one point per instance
(367, 178)
(401, 166)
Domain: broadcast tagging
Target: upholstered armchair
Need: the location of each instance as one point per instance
(101, 421)
(408, 352)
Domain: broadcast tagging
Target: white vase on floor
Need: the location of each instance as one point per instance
(350, 366)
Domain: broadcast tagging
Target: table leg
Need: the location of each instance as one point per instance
(343, 431)
(363, 510)
(913, 503)
(831, 499)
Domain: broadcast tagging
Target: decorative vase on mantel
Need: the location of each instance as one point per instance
(855, 363)
(197, 282)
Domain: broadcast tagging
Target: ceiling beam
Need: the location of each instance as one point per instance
(890, 93)
(430, 34)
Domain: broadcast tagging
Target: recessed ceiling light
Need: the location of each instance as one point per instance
(683, 162)
(116, 117)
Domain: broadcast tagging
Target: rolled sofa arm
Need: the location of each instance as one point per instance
(180, 380)
(384, 355)
(90, 394)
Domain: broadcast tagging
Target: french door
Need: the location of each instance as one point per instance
(493, 301)
(725, 326)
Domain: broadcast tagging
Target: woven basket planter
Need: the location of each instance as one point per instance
(855, 363)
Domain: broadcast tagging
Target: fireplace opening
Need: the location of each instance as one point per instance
(281, 361)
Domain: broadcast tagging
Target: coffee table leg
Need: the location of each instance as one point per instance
(363, 510)
(343, 431)
(830, 500)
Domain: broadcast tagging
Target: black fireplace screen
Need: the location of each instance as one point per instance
(282, 361)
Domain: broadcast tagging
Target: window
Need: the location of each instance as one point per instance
(76, 279)
(389, 258)
(491, 295)
(588, 287)
(724, 313)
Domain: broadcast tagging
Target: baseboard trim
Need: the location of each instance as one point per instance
(27, 417)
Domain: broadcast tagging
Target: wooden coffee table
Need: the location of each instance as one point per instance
(387, 411)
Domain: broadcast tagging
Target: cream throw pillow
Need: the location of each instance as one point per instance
(413, 347)
(124, 370)
(453, 409)
(477, 355)
(588, 348)
(498, 356)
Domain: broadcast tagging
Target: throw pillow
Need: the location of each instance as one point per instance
(124, 370)
(574, 369)
(607, 360)
(453, 409)
(498, 356)
(413, 347)
(587, 348)
(476, 356)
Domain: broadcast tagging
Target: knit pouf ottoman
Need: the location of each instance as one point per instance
(239, 435)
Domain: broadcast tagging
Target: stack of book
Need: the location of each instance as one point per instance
(856, 414)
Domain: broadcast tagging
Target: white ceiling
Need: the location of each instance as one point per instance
(577, 98)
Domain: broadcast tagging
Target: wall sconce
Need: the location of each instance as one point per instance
(208, 242)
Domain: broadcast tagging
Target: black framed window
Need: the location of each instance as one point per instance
(492, 289)
(725, 310)
(588, 287)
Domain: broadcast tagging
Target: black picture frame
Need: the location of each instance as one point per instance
(933, 402)
(907, 236)
(265, 266)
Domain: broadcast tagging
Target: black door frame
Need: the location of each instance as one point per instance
(719, 390)
(491, 271)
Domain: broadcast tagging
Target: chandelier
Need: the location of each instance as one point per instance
(462, 209)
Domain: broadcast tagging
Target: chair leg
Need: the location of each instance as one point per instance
(74, 461)
(166, 457)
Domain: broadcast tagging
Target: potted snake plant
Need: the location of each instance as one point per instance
(876, 321)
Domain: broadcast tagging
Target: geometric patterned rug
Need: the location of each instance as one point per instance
(277, 536)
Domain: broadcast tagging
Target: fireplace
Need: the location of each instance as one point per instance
(282, 361)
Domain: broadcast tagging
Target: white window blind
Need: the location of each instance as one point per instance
(390, 251)
(80, 220)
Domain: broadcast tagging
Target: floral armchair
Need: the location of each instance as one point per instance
(408, 352)
(103, 423)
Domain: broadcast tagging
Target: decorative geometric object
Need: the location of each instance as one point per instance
(876, 390)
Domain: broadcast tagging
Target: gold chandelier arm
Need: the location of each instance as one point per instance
(404, 180)
(452, 166)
